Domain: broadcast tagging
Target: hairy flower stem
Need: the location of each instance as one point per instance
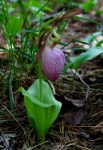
(40, 137)
(40, 79)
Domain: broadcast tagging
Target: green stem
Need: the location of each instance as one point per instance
(40, 84)
(40, 138)
(40, 80)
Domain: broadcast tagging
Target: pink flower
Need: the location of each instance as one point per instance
(53, 61)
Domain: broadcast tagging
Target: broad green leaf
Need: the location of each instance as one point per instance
(82, 58)
(14, 25)
(86, 56)
(90, 38)
(89, 4)
(41, 113)
(37, 5)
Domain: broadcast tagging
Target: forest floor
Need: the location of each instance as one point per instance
(79, 125)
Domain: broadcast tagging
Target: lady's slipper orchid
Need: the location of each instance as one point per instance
(53, 61)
